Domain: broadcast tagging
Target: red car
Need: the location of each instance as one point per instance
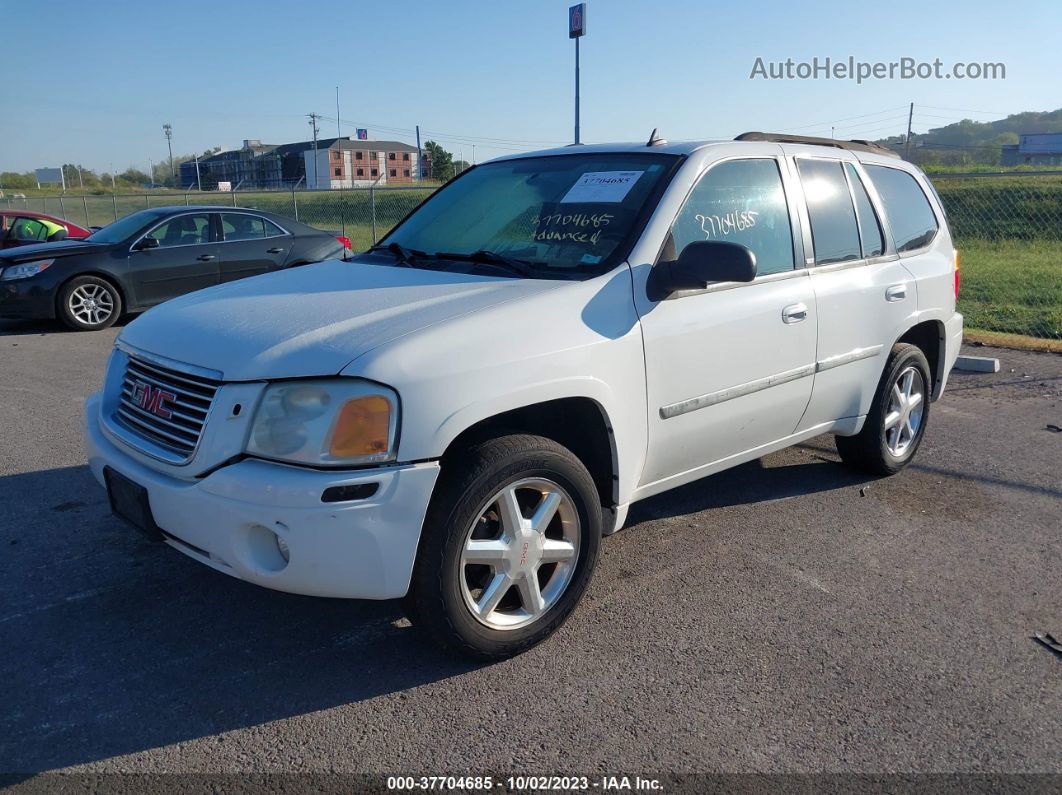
(19, 227)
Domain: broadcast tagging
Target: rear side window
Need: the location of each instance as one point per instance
(833, 220)
(740, 201)
(869, 229)
(240, 226)
(908, 210)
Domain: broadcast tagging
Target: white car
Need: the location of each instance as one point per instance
(458, 415)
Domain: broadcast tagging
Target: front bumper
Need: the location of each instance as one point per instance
(230, 520)
(27, 298)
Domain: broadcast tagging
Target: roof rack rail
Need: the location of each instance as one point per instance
(857, 145)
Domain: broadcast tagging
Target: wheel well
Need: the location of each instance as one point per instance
(104, 276)
(929, 337)
(577, 423)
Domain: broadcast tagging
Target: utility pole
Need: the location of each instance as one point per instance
(168, 130)
(907, 145)
(316, 170)
(198, 181)
(339, 130)
(80, 181)
(420, 167)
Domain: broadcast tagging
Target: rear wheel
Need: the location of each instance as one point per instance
(508, 548)
(898, 415)
(89, 303)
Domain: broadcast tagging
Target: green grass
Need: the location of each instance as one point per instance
(1012, 286)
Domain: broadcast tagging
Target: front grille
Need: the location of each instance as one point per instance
(191, 394)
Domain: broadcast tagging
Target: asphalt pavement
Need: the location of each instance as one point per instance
(785, 616)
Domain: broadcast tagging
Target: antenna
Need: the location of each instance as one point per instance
(655, 140)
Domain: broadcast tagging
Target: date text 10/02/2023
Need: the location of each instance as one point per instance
(524, 783)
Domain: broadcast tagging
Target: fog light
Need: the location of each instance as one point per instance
(282, 547)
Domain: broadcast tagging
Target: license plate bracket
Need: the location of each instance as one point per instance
(129, 501)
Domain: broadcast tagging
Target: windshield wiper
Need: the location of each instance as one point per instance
(521, 267)
(403, 256)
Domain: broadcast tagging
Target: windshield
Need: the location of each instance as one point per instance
(125, 227)
(569, 212)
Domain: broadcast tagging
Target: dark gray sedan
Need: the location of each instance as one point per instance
(151, 256)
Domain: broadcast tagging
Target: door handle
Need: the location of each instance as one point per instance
(896, 292)
(205, 257)
(274, 250)
(794, 313)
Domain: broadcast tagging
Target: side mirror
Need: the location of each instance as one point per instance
(700, 263)
(147, 242)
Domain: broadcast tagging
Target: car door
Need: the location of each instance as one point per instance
(863, 291)
(185, 258)
(729, 368)
(251, 244)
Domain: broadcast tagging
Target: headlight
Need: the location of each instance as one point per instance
(25, 270)
(326, 423)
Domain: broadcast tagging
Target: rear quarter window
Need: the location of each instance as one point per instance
(909, 213)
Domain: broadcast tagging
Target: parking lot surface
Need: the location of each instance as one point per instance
(787, 615)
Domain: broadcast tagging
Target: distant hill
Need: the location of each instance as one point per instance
(971, 143)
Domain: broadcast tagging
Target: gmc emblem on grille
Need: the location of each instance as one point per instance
(153, 399)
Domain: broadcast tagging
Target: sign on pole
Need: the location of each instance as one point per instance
(576, 30)
(577, 21)
(50, 176)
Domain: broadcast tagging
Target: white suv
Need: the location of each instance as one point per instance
(458, 415)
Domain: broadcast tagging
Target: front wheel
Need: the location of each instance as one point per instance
(894, 428)
(89, 303)
(508, 547)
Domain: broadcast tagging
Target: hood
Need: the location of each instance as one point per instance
(313, 320)
(60, 248)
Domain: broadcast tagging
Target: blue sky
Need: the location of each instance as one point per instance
(497, 75)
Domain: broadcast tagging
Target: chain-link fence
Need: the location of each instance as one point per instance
(362, 214)
(1008, 230)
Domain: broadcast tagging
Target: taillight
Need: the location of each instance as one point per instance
(956, 252)
(345, 241)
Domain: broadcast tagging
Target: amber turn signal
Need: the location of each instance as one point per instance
(362, 427)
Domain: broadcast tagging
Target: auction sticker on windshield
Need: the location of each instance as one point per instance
(602, 186)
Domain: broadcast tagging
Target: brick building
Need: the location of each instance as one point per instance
(337, 163)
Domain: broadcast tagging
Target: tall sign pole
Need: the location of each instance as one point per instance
(576, 30)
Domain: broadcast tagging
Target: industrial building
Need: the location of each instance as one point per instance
(1034, 149)
(334, 163)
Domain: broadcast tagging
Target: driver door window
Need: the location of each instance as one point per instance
(739, 201)
(27, 229)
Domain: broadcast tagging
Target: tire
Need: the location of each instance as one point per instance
(89, 303)
(882, 450)
(450, 596)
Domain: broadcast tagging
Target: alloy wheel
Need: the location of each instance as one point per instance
(906, 407)
(91, 304)
(519, 555)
